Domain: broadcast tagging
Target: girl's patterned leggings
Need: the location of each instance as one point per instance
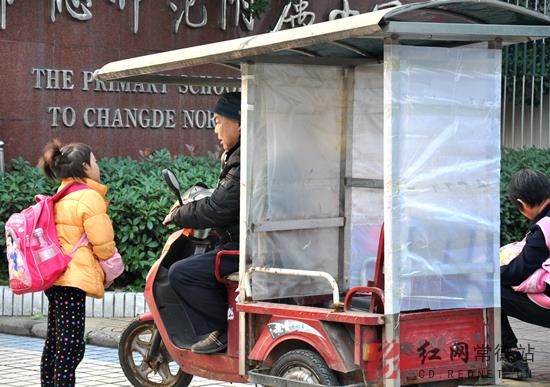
(64, 346)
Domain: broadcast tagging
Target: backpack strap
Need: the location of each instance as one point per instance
(69, 188)
(544, 225)
(83, 241)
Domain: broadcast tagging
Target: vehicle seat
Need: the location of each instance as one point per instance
(233, 277)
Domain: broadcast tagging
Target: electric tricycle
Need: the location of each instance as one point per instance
(369, 203)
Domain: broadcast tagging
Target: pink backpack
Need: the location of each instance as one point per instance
(35, 258)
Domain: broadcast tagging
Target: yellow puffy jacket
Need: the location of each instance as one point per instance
(85, 211)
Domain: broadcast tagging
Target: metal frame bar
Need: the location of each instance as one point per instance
(493, 337)
(246, 97)
(492, 315)
(346, 170)
(447, 12)
(543, 44)
(185, 80)
(300, 273)
(391, 336)
(352, 48)
(532, 131)
(461, 31)
(364, 183)
(345, 126)
(504, 95)
(430, 6)
(514, 77)
(524, 70)
(296, 224)
(301, 51)
(313, 60)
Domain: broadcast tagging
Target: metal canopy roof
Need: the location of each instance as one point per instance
(349, 41)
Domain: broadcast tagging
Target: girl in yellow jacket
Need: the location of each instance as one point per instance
(79, 212)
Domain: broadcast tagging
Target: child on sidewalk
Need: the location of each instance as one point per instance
(80, 212)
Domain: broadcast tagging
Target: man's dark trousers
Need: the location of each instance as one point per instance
(518, 305)
(203, 297)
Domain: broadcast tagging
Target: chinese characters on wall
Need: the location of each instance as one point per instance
(295, 14)
(193, 13)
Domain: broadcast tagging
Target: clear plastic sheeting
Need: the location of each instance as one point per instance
(366, 135)
(365, 234)
(441, 200)
(294, 161)
(368, 124)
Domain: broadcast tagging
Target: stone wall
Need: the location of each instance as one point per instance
(114, 304)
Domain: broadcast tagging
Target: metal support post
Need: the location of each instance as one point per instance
(2, 156)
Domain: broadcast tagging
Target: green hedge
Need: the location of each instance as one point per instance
(138, 196)
(139, 200)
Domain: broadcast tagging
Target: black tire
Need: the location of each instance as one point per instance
(305, 366)
(162, 371)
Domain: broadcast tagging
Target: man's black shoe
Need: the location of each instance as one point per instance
(215, 342)
(514, 366)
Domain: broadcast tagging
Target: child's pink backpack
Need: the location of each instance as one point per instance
(35, 258)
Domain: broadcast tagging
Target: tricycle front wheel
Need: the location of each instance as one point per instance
(148, 369)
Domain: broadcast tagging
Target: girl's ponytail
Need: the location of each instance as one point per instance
(62, 161)
(51, 158)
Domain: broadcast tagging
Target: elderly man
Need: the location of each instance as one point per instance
(193, 279)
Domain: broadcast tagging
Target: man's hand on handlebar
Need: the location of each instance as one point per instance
(168, 219)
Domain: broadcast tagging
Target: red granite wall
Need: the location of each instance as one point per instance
(47, 56)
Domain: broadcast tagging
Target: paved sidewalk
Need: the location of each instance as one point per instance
(106, 332)
(535, 341)
(20, 366)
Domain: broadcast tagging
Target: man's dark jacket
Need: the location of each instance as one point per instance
(531, 258)
(221, 210)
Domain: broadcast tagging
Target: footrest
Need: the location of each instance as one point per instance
(261, 376)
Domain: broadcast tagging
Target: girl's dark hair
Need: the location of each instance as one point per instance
(532, 187)
(62, 161)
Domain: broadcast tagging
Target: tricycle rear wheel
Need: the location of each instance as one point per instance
(305, 366)
(160, 370)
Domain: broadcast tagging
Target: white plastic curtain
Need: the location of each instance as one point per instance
(367, 129)
(293, 138)
(441, 177)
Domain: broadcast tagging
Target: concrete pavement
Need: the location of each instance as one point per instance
(20, 366)
(535, 341)
(105, 332)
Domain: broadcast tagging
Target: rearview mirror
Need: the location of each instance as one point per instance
(172, 182)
